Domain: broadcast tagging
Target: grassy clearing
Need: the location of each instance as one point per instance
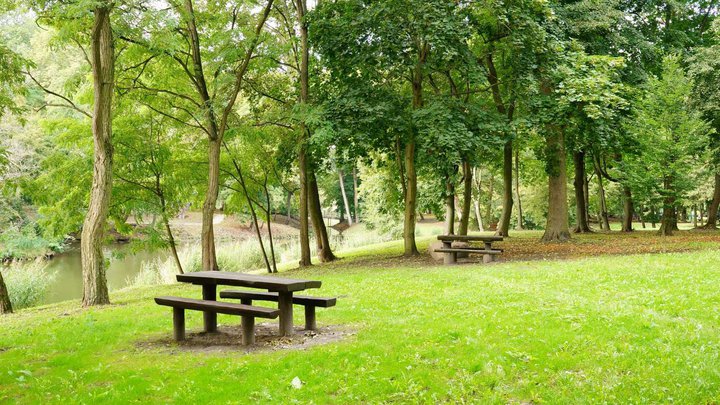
(641, 328)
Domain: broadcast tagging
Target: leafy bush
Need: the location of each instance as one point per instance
(25, 242)
(27, 283)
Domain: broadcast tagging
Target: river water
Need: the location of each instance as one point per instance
(124, 265)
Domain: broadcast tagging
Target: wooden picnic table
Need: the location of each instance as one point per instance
(209, 280)
(451, 252)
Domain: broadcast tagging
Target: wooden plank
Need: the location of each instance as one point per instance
(270, 283)
(470, 238)
(218, 307)
(464, 250)
(305, 300)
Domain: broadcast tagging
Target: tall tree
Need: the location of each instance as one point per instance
(671, 135)
(184, 43)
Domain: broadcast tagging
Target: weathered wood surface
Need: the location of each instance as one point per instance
(270, 283)
(218, 307)
(470, 238)
(304, 300)
(470, 250)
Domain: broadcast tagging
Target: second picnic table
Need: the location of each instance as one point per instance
(451, 252)
(285, 287)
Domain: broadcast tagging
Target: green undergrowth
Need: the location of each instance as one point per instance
(631, 329)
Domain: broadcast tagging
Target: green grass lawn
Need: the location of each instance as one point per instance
(631, 329)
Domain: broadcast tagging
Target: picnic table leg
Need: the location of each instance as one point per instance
(310, 322)
(209, 293)
(179, 324)
(449, 258)
(488, 258)
(285, 306)
(248, 330)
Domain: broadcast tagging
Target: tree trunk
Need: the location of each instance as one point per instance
(641, 215)
(410, 169)
(288, 207)
(628, 209)
(694, 216)
(355, 194)
(713, 209)
(605, 221)
(324, 251)
(253, 214)
(449, 206)
(504, 223)
(478, 184)
(488, 208)
(669, 218)
(410, 200)
(344, 197)
(268, 216)
(520, 225)
(209, 260)
(166, 222)
(467, 198)
(557, 228)
(5, 304)
(305, 259)
(582, 225)
(95, 291)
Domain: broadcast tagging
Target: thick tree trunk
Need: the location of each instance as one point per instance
(449, 206)
(504, 223)
(344, 197)
(669, 218)
(5, 304)
(305, 258)
(95, 291)
(628, 210)
(209, 260)
(557, 228)
(520, 225)
(324, 251)
(467, 198)
(355, 195)
(582, 225)
(713, 209)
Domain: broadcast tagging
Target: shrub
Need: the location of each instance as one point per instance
(27, 283)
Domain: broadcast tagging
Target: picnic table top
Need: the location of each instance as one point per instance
(269, 283)
(470, 238)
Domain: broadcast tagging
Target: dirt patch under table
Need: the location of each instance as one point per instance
(267, 338)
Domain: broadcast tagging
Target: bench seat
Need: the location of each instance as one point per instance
(309, 302)
(247, 312)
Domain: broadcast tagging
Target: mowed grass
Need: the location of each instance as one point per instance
(630, 329)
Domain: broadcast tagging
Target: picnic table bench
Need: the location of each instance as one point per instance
(278, 289)
(451, 252)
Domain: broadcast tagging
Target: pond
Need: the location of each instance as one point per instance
(124, 265)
